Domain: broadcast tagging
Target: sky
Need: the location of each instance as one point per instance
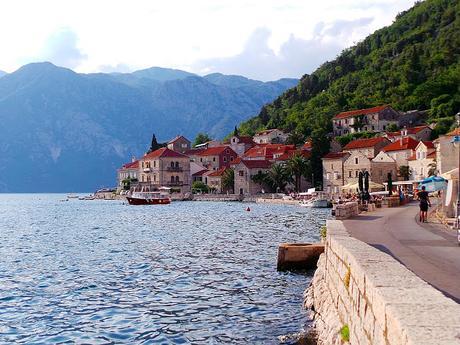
(260, 39)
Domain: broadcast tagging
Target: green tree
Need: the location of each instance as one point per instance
(235, 132)
(154, 145)
(295, 138)
(260, 178)
(433, 169)
(201, 138)
(404, 172)
(198, 186)
(228, 180)
(298, 166)
(392, 127)
(278, 177)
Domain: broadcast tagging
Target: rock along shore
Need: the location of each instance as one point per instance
(362, 296)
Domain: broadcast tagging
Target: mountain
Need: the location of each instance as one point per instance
(412, 64)
(2, 73)
(63, 131)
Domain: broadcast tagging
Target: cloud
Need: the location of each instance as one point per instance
(295, 57)
(61, 49)
(118, 68)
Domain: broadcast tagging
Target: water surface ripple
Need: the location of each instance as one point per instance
(101, 272)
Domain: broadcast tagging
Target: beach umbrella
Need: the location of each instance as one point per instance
(366, 181)
(390, 183)
(433, 184)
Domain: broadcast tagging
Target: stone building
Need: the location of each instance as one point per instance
(240, 144)
(401, 150)
(179, 144)
(417, 133)
(422, 160)
(244, 170)
(213, 180)
(215, 158)
(333, 171)
(446, 152)
(368, 147)
(270, 136)
(381, 166)
(128, 171)
(374, 119)
(378, 167)
(165, 168)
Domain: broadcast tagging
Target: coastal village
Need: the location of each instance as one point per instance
(399, 145)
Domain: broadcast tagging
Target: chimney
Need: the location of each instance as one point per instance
(133, 159)
(403, 134)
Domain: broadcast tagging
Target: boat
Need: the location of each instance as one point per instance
(316, 203)
(87, 197)
(148, 198)
(72, 196)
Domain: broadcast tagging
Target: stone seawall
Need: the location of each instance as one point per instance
(362, 296)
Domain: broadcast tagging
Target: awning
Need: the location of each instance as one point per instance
(451, 174)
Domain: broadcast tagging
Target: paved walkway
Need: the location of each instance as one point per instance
(428, 250)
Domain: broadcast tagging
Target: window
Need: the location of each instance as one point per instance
(327, 176)
(177, 164)
(231, 159)
(356, 160)
(213, 159)
(172, 164)
(184, 146)
(172, 178)
(227, 151)
(332, 166)
(201, 159)
(177, 178)
(356, 173)
(241, 173)
(373, 128)
(225, 159)
(154, 164)
(349, 173)
(154, 177)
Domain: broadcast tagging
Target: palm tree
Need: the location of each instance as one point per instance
(433, 169)
(404, 172)
(297, 166)
(228, 180)
(278, 177)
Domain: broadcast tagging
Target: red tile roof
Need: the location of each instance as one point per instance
(406, 143)
(219, 172)
(253, 163)
(200, 173)
(267, 151)
(336, 155)
(432, 155)
(352, 113)
(456, 131)
(245, 139)
(363, 143)
(307, 145)
(131, 165)
(192, 152)
(288, 154)
(411, 130)
(412, 158)
(163, 152)
(177, 138)
(215, 151)
(429, 144)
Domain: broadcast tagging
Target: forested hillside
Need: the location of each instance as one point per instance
(412, 64)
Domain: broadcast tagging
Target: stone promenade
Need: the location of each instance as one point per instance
(428, 250)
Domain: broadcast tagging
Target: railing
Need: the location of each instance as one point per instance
(175, 183)
(178, 169)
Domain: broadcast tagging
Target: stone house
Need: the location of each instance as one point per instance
(420, 161)
(268, 151)
(368, 147)
(215, 158)
(270, 136)
(447, 155)
(378, 167)
(333, 171)
(374, 119)
(213, 179)
(401, 150)
(128, 171)
(179, 144)
(418, 133)
(381, 165)
(244, 170)
(165, 167)
(240, 144)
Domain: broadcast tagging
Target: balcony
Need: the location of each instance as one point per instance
(175, 183)
(147, 170)
(174, 169)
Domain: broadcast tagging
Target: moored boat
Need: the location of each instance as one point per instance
(317, 203)
(148, 198)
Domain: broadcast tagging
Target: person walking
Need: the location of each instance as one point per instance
(424, 204)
